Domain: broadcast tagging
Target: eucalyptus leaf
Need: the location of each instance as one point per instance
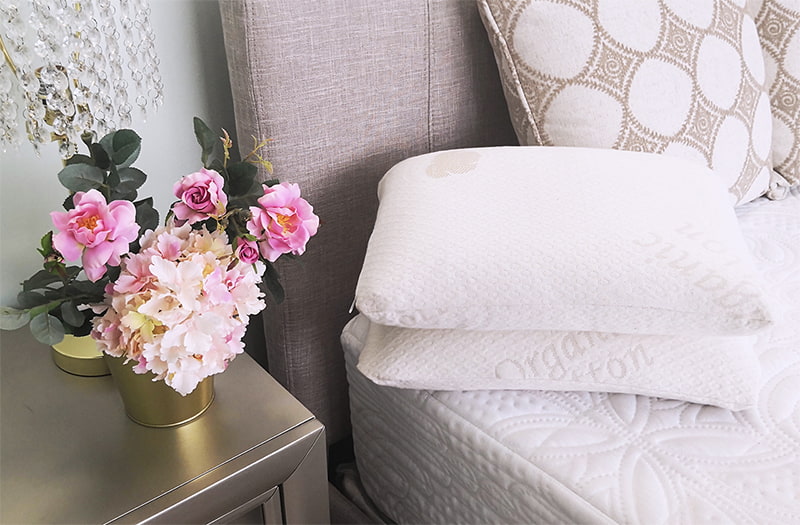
(88, 138)
(146, 215)
(39, 280)
(86, 288)
(100, 155)
(69, 204)
(124, 196)
(48, 307)
(112, 180)
(11, 318)
(130, 179)
(81, 177)
(71, 315)
(80, 159)
(126, 145)
(29, 299)
(47, 329)
(206, 138)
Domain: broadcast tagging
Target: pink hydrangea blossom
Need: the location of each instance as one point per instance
(283, 222)
(201, 196)
(181, 306)
(95, 231)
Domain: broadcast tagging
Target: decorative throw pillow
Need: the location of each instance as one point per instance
(550, 238)
(778, 23)
(680, 77)
(722, 371)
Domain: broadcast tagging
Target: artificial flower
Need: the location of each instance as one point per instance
(283, 222)
(179, 300)
(201, 196)
(195, 299)
(95, 231)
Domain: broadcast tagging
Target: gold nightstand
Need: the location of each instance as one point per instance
(69, 454)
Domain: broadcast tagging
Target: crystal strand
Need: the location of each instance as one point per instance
(28, 83)
(77, 20)
(148, 56)
(8, 108)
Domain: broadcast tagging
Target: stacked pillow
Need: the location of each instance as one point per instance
(556, 267)
(678, 77)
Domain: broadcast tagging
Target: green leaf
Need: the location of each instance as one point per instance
(11, 318)
(146, 215)
(92, 292)
(130, 179)
(126, 145)
(46, 248)
(47, 329)
(44, 308)
(39, 280)
(273, 284)
(242, 178)
(113, 177)
(207, 139)
(81, 177)
(68, 203)
(80, 159)
(71, 315)
(100, 155)
(88, 138)
(30, 299)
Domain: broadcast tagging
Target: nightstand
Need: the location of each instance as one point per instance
(69, 454)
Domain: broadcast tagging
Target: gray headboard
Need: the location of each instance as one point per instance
(347, 88)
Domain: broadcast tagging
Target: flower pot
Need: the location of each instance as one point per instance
(154, 403)
(79, 356)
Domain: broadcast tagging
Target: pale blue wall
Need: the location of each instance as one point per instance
(189, 42)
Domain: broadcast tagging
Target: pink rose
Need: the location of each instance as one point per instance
(283, 222)
(247, 251)
(97, 232)
(200, 195)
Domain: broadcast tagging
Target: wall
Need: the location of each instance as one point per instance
(194, 70)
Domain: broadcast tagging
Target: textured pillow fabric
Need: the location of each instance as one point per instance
(722, 371)
(778, 23)
(549, 238)
(681, 77)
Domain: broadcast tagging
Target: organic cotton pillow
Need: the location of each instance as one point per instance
(546, 238)
(682, 77)
(778, 23)
(721, 371)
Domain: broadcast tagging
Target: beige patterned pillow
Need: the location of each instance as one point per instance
(778, 23)
(680, 77)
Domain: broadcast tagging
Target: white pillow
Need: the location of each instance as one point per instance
(778, 23)
(570, 239)
(713, 370)
(681, 77)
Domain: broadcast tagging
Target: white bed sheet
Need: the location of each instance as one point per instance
(535, 456)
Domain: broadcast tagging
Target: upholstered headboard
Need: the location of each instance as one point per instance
(347, 88)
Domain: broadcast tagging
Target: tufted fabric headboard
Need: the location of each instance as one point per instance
(347, 88)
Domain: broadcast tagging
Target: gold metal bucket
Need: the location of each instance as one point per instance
(154, 403)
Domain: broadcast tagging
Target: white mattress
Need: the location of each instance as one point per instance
(533, 456)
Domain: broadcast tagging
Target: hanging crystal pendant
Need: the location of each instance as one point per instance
(74, 67)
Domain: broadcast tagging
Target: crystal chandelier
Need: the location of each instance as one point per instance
(71, 67)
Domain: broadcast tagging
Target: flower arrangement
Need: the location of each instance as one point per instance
(176, 298)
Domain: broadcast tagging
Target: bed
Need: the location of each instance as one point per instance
(347, 90)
